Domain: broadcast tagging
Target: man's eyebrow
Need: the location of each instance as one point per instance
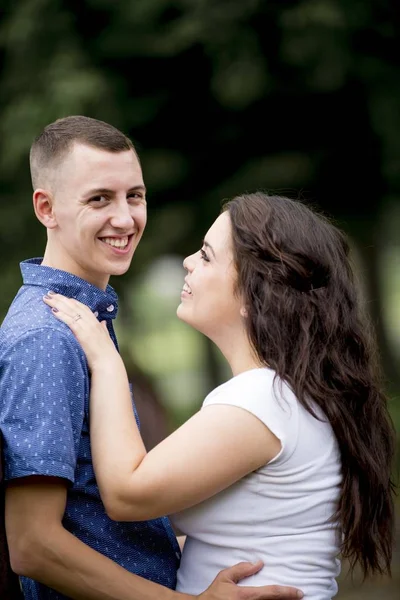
(97, 191)
(138, 188)
(207, 245)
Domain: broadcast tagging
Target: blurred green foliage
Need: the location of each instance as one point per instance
(220, 97)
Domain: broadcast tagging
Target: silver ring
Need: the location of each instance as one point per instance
(76, 318)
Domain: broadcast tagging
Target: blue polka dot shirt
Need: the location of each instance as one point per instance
(44, 419)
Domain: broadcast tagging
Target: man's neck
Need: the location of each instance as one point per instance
(69, 266)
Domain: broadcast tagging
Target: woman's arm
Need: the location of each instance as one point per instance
(216, 447)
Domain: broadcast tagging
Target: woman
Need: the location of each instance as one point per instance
(290, 460)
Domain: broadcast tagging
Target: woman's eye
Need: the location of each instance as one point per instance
(204, 256)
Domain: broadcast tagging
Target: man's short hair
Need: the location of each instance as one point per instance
(57, 139)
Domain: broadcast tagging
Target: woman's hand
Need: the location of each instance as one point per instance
(92, 335)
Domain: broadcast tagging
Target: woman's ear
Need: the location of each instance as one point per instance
(43, 206)
(243, 312)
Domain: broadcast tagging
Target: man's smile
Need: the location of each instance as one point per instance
(119, 244)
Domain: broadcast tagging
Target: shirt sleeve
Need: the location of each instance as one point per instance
(268, 399)
(43, 390)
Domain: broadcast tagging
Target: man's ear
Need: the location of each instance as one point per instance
(44, 210)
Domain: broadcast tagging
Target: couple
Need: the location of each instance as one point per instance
(274, 467)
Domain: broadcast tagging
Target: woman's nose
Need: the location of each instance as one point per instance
(188, 263)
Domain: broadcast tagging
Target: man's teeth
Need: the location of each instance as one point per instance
(116, 242)
(186, 288)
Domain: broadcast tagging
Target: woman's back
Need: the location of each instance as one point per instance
(281, 513)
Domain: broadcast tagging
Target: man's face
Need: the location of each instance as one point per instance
(99, 209)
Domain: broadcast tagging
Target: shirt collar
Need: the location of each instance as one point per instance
(103, 302)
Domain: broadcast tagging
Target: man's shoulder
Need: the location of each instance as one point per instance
(29, 319)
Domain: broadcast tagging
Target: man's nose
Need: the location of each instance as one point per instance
(122, 217)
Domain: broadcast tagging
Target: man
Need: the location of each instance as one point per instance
(90, 195)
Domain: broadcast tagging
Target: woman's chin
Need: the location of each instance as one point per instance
(180, 312)
(183, 314)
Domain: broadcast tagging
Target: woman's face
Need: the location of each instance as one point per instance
(208, 302)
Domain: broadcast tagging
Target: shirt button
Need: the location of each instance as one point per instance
(96, 314)
(110, 308)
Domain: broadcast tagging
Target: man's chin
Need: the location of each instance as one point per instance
(120, 269)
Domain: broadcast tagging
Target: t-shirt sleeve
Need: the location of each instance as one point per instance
(268, 399)
(43, 391)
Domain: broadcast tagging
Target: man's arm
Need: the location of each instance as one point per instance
(42, 549)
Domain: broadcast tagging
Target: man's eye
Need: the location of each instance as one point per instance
(136, 197)
(98, 199)
(203, 255)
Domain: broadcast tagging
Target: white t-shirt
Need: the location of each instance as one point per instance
(280, 513)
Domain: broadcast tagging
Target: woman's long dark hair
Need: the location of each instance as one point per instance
(305, 321)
